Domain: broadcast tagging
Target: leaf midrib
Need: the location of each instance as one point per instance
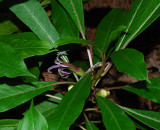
(129, 25)
(142, 24)
(111, 113)
(158, 121)
(34, 18)
(68, 106)
(81, 30)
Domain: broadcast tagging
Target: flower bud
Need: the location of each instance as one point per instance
(103, 93)
(70, 87)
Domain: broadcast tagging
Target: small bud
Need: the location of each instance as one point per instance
(70, 87)
(103, 93)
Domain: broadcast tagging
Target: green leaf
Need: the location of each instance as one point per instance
(7, 27)
(67, 40)
(113, 117)
(90, 125)
(147, 90)
(110, 25)
(26, 47)
(33, 120)
(48, 104)
(75, 10)
(149, 118)
(14, 95)
(11, 65)
(62, 21)
(131, 62)
(116, 33)
(35, 71)
(23, 35)
(140, 16)
(34, 16)
(83, 64)
(8, 124)
(138, 126)
(71, 105)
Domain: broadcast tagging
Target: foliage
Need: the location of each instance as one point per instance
(46, 36)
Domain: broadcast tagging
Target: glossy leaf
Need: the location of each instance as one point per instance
(131, 62)
(33, 120)
(7, 27)
(83, 64)
(138, 126)
(48, 104)
(34, 16)
(8, 124)
(14, 95)
(27, 44)
(67, 40)
(75, 10)
(149, 118)
(140, 16)
(62, 21)
(23, 35)
(147, 90)
(71, 105)
(113, 117)
(90, 125)
(11, 65)
(35, 71)
(110, 25)
(28, 48)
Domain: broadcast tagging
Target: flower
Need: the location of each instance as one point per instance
(60, 65)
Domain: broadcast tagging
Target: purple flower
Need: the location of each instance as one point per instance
(60, 65)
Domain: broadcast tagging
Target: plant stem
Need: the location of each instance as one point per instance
(76, 77)
(82, 127)
(91, 109)
(114, 88)
(88, 51)
(55, 97)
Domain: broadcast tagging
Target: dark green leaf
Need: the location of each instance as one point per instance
(71, 105)
(75, 10)
(8, 124)
(90, 125)
(14, 95)
(26, 47)
(138, 126)
(8, 27)
(23, 35)
(48, 104)
(110, 25)
(62, 21)
(36, 72)
(147, 90)
(33, 120)
(149, 118)
(11, 65)
(34, 16)
(131, 62)
(64, 41)
(83, 64)
(113, 117)
(140, 16)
